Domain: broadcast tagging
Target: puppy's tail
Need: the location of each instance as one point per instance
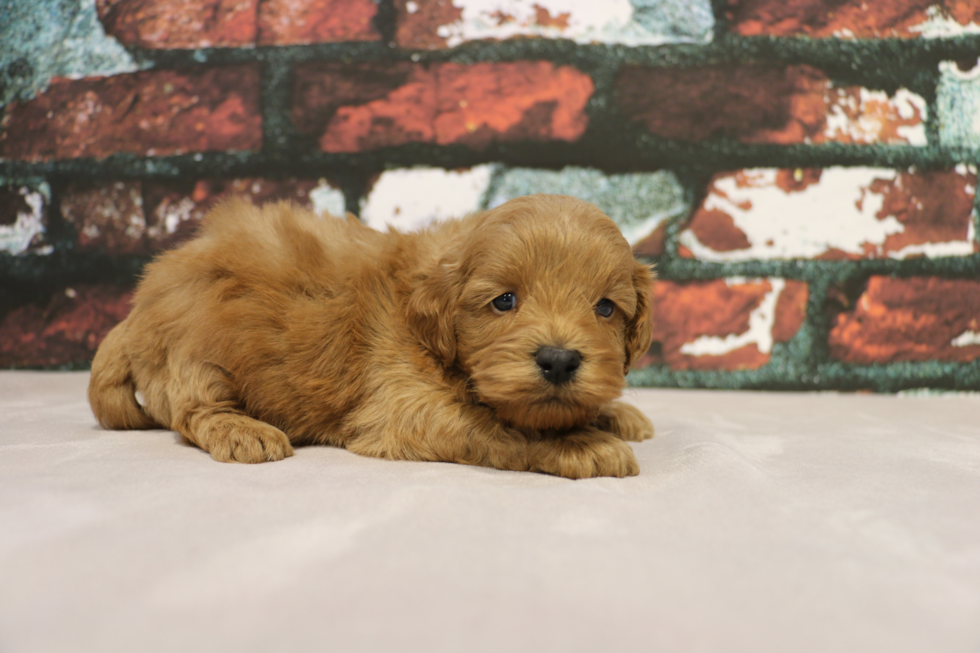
(111, 392)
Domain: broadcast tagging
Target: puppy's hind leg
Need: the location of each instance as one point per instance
(111, 392)
(206, 412)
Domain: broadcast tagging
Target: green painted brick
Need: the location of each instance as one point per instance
(66, 40)
(958, 101)
(637, 202)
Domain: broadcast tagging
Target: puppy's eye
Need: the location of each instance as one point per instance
(605, 307)
(505, 302)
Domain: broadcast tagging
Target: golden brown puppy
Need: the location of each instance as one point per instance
(501, 339)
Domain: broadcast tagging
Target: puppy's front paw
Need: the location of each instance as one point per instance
(626, 421)
(583, 454)
(236, 438)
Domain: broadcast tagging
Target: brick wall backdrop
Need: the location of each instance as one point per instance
(802, 172)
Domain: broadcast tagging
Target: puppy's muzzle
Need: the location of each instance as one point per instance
(558, 365)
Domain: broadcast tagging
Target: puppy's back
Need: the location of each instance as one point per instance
(277, 247)
(226, 297)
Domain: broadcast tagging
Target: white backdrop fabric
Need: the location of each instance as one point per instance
(759, 522)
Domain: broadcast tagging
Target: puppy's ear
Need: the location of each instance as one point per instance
(639, 328)
(432, 310)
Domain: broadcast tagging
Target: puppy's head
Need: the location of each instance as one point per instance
(542, 305)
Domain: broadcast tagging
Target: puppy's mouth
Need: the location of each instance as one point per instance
(550, 413)
(550, 389)
(552, 401)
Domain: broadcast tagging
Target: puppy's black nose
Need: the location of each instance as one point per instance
(557, 365)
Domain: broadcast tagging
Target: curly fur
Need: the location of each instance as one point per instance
(275, 327)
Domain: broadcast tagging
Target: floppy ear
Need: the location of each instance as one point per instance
(431, 310)
(639, 328)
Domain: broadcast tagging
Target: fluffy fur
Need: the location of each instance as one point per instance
(275, 328)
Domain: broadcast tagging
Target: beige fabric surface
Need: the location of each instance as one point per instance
(759, 522)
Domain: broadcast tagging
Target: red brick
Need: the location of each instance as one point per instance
(146, 217)
(686, 313)
(737, 101)
(405, 114)
(963, 12)
(237, 23)
(934, 206)
(321, 89)
(364, 107)
(419, 28)
(296, 22)
(790, 310)
(107, 217)
(176, 208)
(654, 244)
(850, 18)
(423, 23)
(66, 329)
(180, 23)
(434, 24)
(518, 101)
(765, 103)
(148, 113)
(833, 213)
(717, 230)
(914, 319)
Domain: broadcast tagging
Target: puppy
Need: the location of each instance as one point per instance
(500, 340)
